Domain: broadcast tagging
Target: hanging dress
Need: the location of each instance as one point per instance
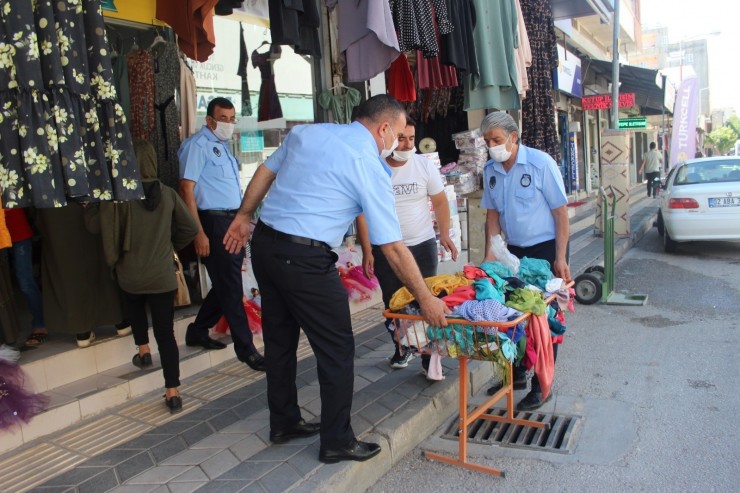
(269, 103)
(246, 109)
(341, 105)
(141, 86)
(166, 138)
(414, 21)
(62, 132)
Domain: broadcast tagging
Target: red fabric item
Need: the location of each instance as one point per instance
(539, 331)
(401, 81)
(192, 21)
(530, 355)
(254, 317)
(558, 339)
(17, 223)
(458, 296)
(431, 72)
(473, 272)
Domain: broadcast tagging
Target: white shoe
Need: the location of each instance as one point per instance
(124, 331)
(86, 342)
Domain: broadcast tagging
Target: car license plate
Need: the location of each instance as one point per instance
(724, 202)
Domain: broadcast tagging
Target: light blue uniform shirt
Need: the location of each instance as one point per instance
(525, 196)
(327, 174)
(208, 162)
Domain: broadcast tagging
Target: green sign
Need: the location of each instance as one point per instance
(628, 123)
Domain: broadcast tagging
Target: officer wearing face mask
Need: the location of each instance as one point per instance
(320, 179)
(524, 193)
(209, 185)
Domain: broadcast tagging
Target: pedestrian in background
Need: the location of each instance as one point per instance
(320, 179)
(651, 162)
(140, 239)
(525, 200)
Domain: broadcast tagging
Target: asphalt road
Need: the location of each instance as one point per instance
(656, 385)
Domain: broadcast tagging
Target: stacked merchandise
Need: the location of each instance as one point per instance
(473, 157)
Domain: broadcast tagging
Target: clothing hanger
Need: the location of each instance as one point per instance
(338, 85)
(157, 40)
(265, 42)
(134, 45)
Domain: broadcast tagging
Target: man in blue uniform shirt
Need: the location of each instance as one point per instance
(526, 201)
(209, 185)
(320, 179)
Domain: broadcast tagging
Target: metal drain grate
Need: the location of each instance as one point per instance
(561, 437)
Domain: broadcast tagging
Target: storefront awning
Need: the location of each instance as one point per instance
(643, 82)
(572, 9)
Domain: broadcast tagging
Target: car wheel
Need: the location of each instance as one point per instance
(661, 225)
(669, 244)
(588, 289)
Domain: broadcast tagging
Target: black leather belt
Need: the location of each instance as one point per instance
(278, 235)
(219, 212)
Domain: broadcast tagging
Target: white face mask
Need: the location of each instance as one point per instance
(224, 130)
(499, 153)
(402, 156)
(387, 152)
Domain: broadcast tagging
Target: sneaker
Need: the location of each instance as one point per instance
(123, 329)
(532, 401)
(85, 339)
(401, 360)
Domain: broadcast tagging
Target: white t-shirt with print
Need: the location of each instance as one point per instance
(413, 184)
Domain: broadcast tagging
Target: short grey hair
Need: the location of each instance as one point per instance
(499, 119)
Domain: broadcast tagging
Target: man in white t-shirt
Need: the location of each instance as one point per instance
(415, 181)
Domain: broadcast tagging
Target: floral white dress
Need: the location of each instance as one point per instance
(63, 135)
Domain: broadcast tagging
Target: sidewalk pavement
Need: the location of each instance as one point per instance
(220, 443)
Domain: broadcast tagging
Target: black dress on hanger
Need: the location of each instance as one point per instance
(269, 103)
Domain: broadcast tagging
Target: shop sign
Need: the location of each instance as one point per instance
(573, 158)
(630, 123)
(203, 98)
(568, 74)
(604, 101)
(251, 141)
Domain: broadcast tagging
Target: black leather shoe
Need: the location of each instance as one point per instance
(206, 343)
(174, 404)
(256, 362)
(142, 360)
(520, 384)
(532, 401)
(356, 450)
(299, 430)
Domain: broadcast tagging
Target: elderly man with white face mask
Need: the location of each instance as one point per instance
(524, 193)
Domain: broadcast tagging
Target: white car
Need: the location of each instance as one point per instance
(701, 202)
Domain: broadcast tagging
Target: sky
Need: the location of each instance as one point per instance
(694, 19)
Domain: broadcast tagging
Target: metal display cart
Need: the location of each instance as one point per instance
(466, 340)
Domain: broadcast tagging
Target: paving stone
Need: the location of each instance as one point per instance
(52, 489)
(360, 425)
(307, 460)
(75, 476)
(221, 487)
(194, 474)
(167, 449)
(254, 487)
(314, 407)
(372, 373)
(112, 457)
(145, 441)
(248, 447)
(249, 408)
(185, 487)
(360, 383)
(134, 466)
(280, 479)
(101, 482)
(175, 427)
(308, 393)
(376, 344)
(219, 464)
(225, 402)
(278, 452)
(190, 457)
(135, 488)
(244, 426)
(223, 420)
(219, 441)
(393, 400)
(158, 475)
(249, 470)
(197, 433)
(375, 413)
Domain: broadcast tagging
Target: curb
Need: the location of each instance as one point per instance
(399, 434)
(623, 245)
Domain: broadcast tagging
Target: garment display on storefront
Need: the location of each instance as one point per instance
(523, 55)
(495, 35)
(269, 103)
(246, 109)
(142, 97)
(432, 74)
(538, 109)
(414, 21)
(367, 38)
(192, 21)
(296, 23)
(120, 80)
(79, 293)
(166, 138)
(341, 105)
(188, 97)
(62, 132)
(400, 80)
(226, 7)
(458, 46)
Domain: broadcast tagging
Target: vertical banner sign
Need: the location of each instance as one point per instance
(683, 140)
(573, 158)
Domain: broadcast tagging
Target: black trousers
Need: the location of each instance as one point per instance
(226, 294)
(301, 289)
(649, 177)
(546, 251)
(161, 306)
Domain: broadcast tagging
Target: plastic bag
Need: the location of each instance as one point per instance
(503, 255)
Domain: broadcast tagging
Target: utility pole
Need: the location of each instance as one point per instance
(615, 67)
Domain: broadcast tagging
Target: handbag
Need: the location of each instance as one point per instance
(182, 297)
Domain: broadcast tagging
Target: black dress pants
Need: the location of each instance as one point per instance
(161, 305)
(545, 251)
(649, 177)
(301, 289)
(226, 294)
